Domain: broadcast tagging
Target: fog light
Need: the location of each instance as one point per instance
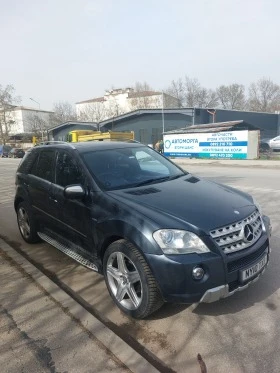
(198, 273)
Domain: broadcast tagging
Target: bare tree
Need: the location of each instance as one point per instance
(113, 108)
(264, 95)
(7, 103)
(190, 93)
(93, 112)
(63, 112)
(38, 125)
(232, 96)
(142, 86)
(145, 100)
(143, 97)
(198, 96)
(177, 90)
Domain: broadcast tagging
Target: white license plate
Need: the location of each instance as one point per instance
(246, 274)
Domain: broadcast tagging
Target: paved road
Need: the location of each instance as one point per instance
(238, 334)
(7, 184)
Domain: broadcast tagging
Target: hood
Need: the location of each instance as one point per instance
(197, 202)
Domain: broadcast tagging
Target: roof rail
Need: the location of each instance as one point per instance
(51, 142)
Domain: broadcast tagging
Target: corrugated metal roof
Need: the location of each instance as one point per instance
(236, 125)
(69, 123)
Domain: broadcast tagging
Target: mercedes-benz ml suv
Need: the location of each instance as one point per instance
(156, 232)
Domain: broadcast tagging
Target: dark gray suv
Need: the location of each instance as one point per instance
(156, 232)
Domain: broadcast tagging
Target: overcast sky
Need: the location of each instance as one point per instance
(73, 50)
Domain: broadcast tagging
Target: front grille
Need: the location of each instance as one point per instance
(233, 285)
(239, 235)
(246, 260)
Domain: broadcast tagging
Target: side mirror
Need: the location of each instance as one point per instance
(74, 192)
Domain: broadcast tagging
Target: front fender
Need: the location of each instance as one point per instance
(140, 235)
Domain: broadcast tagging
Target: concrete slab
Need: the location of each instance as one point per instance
(42, 327)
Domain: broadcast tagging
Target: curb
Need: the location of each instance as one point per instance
(127, 355)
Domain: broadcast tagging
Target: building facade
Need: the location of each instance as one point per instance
(119, 101)
(27, 120)
(149, 124)
(60, 132)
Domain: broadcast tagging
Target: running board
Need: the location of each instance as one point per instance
(68, 251)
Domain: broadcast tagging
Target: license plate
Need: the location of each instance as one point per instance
(252, 271)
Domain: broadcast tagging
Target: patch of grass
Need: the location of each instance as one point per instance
(269, 157)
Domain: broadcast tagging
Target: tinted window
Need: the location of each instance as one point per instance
(128, 167)
(28, 162)
(67, 170)
(44, 166)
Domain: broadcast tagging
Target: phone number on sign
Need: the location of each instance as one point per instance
(221, 155)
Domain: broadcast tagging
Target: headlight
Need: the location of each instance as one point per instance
(260, 211)
(173, 241)
(258, 206)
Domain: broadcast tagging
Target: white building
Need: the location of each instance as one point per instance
(121, 101)
(24, 119)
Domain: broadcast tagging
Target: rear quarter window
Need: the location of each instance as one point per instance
(27, 162)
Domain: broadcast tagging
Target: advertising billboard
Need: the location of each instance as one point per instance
(232, 145)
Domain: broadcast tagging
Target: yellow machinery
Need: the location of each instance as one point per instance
(84, 135)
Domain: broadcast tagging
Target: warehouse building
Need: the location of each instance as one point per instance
(149, 124)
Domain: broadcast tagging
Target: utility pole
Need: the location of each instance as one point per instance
(30, 98)
(162, 113)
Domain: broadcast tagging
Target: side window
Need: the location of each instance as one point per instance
(67, 170)
(44, 166)
(28, 162)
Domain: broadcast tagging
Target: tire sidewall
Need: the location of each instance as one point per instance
(124, 247)
(33, 237)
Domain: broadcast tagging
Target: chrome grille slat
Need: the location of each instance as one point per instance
(230, 238)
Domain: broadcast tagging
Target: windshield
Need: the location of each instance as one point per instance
(130, 167)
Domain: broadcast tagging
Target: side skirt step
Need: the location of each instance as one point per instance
(68, 251)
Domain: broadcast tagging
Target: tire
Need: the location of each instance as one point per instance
(130, 281)
(26, 223)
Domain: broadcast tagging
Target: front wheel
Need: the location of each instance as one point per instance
(26, 223)
(130, 281)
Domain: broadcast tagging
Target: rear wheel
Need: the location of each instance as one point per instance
(26, 223)
(130, 281)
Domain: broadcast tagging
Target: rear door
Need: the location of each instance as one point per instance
(40, 180)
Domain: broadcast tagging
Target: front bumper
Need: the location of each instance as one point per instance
(223, 291)
(222, 272)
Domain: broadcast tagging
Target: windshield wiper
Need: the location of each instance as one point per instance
(176, 176)
(158, 180)
(151, 181)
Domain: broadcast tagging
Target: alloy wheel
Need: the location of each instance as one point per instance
(124, 280)
(23, 222)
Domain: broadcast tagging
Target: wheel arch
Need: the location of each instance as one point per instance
(17, 201)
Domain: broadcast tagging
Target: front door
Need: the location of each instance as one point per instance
(75, 213)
